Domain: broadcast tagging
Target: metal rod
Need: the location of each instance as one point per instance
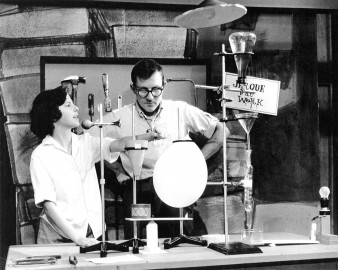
(222, 183)
(133, 122)
(248, 137)
(134, 202)
(217, 88)
(181, 221)
(225, 189)
(102, 180)
(119, 102)
(178, 124)
(178, 135)
(207, 87)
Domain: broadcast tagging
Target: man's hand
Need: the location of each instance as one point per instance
(156, 135)
(151, 136)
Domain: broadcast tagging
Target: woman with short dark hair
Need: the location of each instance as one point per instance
(63, 172)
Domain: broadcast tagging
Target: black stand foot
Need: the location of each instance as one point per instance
(169, 243)
(103, 247)
(234, 248)
(135, 243)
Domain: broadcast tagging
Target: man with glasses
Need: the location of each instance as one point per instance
(153, 114)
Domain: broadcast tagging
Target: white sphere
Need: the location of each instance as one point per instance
(180, 174)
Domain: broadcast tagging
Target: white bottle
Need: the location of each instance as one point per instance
(152, 237)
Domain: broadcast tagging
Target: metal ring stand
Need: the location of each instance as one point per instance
(103, 246)
(227, 247)
(135, 242)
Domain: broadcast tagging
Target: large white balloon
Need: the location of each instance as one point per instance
(180, 174)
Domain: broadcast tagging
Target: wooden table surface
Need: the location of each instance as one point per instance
(317, 256)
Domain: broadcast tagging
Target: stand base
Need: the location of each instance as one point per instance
(327, 239)
(170, 243)
(103, 247)
(135, 243)
(234, 248)
(154, 250)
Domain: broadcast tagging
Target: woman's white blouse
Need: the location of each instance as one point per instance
(70, 180)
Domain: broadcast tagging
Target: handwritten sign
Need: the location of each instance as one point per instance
(264, 99)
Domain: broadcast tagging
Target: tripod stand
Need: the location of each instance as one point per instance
(182, 238)
(103, 246)
(136, 150)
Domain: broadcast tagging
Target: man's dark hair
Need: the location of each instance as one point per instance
(45, 111)
(144, 69)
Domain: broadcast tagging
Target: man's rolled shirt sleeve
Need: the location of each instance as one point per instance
(201, 122)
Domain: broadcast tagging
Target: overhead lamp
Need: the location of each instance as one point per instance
(210, 13)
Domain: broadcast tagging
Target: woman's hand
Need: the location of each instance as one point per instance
(60, 221)
(86, 242)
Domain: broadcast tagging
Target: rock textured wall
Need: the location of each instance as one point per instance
(32, 32)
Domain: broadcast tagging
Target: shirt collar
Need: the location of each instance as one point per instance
(142, 115)
(49, 140)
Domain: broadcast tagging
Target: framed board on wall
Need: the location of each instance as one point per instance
(182, 72)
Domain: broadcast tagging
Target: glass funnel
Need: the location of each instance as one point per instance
(247, 120)
(242, 44)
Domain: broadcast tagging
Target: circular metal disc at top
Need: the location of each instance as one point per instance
(210, 16)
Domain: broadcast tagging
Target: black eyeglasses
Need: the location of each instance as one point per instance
(144, 92)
